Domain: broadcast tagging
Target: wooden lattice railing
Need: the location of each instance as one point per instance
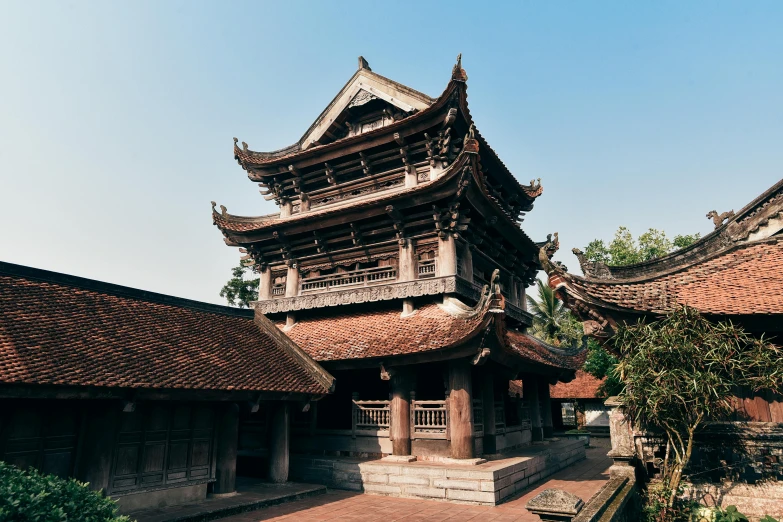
(427, 268)
(363, 277)
(429, 419)
(371, 416)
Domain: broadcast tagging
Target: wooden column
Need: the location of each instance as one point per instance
(447, 256)
(292, 281)
(407, 271)
(278, 442)
(400, 428)
(265, 285)
(285, 209)
(530, 395)
(227, 442)
(461, 409)
(467, 262)
(97, 449)
(546, 409)
(488, 401)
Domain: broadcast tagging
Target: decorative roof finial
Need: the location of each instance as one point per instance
(718, 219)
(213, 206)
(364, 64)
(470, 143)
(458, 73)
(244, 146)
(235, 141)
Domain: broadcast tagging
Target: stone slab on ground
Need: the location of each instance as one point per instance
(252, 494)
(487, 483)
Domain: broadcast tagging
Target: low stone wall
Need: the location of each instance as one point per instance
(616, 501)
(753, 500)
(489, 483)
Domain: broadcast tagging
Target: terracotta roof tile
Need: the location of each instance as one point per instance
(743, 280)
(535, 350)
(63, 330)
(385, 333)
(381, 333)
(584, 386)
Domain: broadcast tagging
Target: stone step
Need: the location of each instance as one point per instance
(254, 495)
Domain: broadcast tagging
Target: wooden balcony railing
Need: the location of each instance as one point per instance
(278, 290)
(500, 415)
(427, 269)
(363, 277)
(371, 417)
(478, 417)
(429, 419)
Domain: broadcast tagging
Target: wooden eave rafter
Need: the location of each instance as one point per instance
(442, 189)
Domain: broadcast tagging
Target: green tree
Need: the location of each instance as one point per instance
(680, 372)
(625, 250)
(239, 291)
(602, 365)
(548, 312)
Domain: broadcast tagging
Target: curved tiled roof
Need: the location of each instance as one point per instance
(63, 330)
(745, 279)
(584, 386)
(383, 332)
(538, 351)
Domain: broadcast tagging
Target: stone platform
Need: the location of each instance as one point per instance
(485, 484)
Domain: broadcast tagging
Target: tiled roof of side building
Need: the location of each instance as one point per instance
(745, 279)
(57, 329)
(584, 386)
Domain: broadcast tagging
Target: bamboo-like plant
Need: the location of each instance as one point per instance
(681, 372)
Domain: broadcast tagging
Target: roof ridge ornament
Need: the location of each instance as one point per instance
(718, 219)
(458, 74)
(470, 143)
(364, 64)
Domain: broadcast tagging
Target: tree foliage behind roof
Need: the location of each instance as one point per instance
(239, 291)
(625, 250)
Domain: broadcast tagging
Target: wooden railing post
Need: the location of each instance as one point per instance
(354, 413)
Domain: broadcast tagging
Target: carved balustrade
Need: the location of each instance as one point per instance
(371, 417)
(429, 419)
(500, 415)
(427, 268)
(278, 290)
(354, 278)
(478, 418)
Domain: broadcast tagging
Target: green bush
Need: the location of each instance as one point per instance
(28, 496)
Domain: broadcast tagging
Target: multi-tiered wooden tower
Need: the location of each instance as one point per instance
(398, 247)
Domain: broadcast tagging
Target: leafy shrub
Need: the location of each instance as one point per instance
(28, 496)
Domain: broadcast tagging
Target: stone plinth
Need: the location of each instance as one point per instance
(623, 451)
(487, 483)
(555, 505)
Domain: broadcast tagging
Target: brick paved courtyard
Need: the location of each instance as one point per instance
(582, 479)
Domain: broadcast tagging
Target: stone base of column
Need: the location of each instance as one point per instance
(463, 462)
(399, 458)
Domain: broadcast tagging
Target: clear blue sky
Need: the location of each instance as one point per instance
(116, 118)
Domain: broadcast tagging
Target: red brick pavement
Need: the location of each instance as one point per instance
(582, 479)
